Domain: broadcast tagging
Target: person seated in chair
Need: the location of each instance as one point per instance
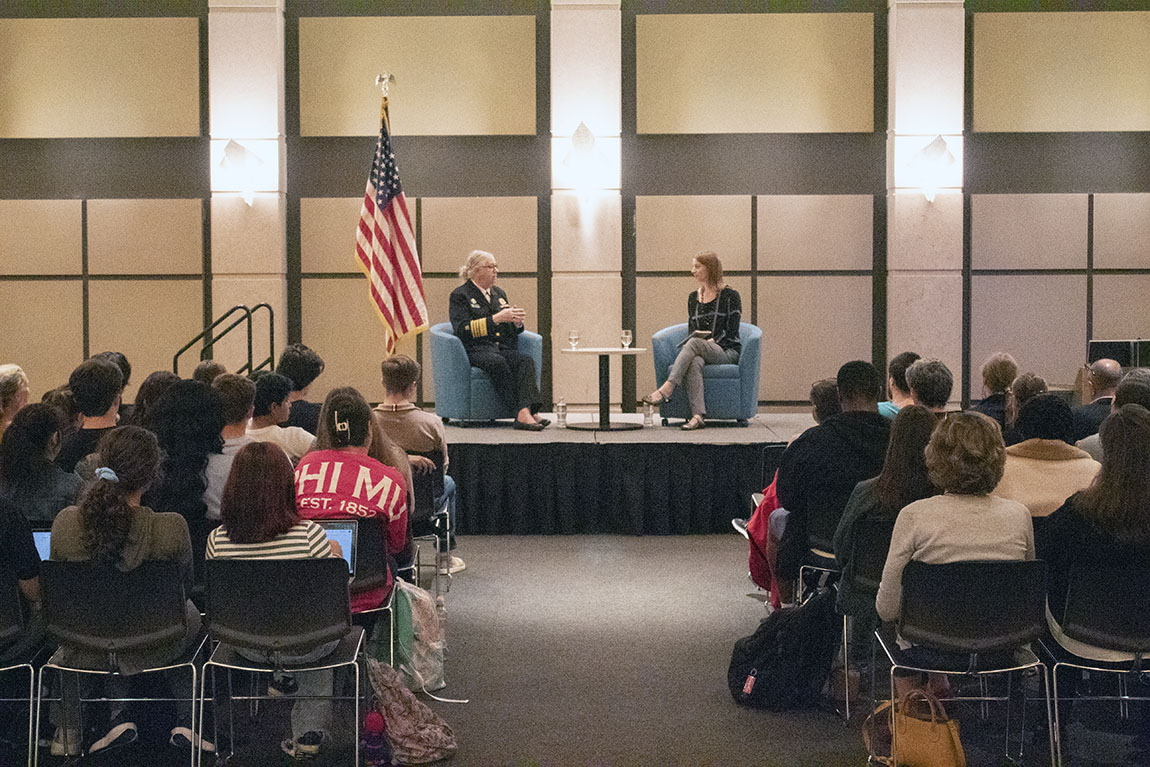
(930, 384)
(95, 384)
(1102, 382)
(489, 327)
(271, 407)
(1133, 390)
(416, 431)
(301, 366)
(998, 372)
(897, 386)
(714, 311)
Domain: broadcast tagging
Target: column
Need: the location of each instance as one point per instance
(924, 181)
(248, 218)
(586, 206)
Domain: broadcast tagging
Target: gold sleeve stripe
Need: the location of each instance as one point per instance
(479, 328)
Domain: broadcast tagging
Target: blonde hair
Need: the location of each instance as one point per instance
(474, 260)
(13, 379)
(966, 454)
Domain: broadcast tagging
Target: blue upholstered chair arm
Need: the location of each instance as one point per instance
(664, 349)
(451, 368)
(751, 337)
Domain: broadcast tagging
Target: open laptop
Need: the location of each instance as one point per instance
(343, 532)
(43, 539)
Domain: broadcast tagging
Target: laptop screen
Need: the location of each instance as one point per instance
(343, 532)
(43, 539)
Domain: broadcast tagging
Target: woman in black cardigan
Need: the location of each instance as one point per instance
(714, 311)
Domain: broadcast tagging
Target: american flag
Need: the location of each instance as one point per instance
(385, 247)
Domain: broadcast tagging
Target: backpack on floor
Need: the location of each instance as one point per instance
(786, 662)
(417, 734)
(420, 648)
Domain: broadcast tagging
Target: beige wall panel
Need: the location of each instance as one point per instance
(147, 321)
(455, 75)
(504, 226)
(811, 326)
(593, 305)
(40, 237)
(229, 291)
(670, 230)
(1122, 231)
(249, 239)
(341, 324)
(145, 237)
(327, 233)
(43, 331)
(1028, 231)
(661, 302)
(816, 231)
(924, 315)
(1061, 71)
(62, 78)
(586, 232)
(755, 73)
(1040, 319)
(924, 235)
(521, 290)
(1120, 306)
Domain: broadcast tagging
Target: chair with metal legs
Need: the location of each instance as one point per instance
(15, 658)
(102, 611)
(869, 548)
(279, 610)
(371, 572)
(1104, 618)
(984, 614)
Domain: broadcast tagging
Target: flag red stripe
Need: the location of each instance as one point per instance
(385, 276)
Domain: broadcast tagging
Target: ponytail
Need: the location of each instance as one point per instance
(129, 458)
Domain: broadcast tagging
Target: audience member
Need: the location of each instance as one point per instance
(152, 388)
(29, 480)
(260, 521)
(1105, 525)
(271, 408)
(95, 384)
(20, 557)
(342, 481)
(903, 481)
(1102, 382)
(896, 384)
(119, 360)
(1024, 388)
(237, 397)
(61, 399)
(13, 394)
(415, 432)
(825, 399)
(1133, 390)
(111, 527)
(930, 384)
(187, 421)
(1044, 468)
(207, 371)
(964, 459)
(998, 372)
(301, 366)
(819, 470)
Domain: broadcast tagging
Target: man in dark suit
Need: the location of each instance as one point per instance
(489, 326)
(1103, 379)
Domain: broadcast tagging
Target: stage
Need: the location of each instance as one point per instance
(652, 481)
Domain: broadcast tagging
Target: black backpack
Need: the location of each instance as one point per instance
(785, 663)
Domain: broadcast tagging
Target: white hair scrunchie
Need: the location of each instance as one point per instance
(105, 473)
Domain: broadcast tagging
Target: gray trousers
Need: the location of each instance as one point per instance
(688, 367)
(307, 715)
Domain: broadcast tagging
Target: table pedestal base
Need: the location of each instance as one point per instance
(609, 426)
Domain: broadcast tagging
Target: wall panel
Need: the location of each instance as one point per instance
(327, 233)
(1122, 231)
(1120, 306)
(670, 230)
(816, 231)
(43, 331)
(40, 237)
(145, 237)
(506, 227)
(1028, 231)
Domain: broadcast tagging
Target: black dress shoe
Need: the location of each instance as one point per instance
(528, 426)
(544, 422)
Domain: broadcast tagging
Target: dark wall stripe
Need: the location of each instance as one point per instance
(104, 168)
(763, 163)
(292, 207)
(1052, 6)
(412, 8)
(878, 285)
(630, 313)
(1013, 163)
(544, 297)
(97, 9)
(754, 260)
(756, 6)
(206, 234)
(1090, 267)
(84, 276)
(966, 297)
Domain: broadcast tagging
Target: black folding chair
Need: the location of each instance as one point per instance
(102, 610)
(1105, 610)
(277, 608)
(371, 571)
(13, 658)
(429, 523)
(979, 612)
(869, 548)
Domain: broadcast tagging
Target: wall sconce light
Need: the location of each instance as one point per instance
(928, 163)
(586, 163)
(246, 166)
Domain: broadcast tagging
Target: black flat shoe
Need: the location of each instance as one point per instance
(544, 422)
(528, 426)
(654, 398)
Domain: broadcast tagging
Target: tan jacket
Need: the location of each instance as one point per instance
(1043, 473)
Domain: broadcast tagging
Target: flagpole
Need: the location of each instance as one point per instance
(383, 81)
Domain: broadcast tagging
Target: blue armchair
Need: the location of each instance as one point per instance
(464, 393)
(731, 392)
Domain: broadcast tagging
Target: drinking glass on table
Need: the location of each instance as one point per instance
(625, 338)
(573, 338)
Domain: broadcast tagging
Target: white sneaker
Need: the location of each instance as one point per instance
(120, 735)
(67, 742)
(454, 566)
(183, 737)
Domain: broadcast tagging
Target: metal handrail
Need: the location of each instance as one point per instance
(246, 320)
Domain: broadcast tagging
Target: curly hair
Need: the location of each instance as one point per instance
(149, 392)
(105, 514)
(966, 454)
(24, 457)
(187, 421)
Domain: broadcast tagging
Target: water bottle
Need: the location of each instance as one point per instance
(561, 414)
(376, 749)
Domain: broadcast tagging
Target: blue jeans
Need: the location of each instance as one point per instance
(448, 497)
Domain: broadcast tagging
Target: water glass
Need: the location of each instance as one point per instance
(573, 338)
(625, 338)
